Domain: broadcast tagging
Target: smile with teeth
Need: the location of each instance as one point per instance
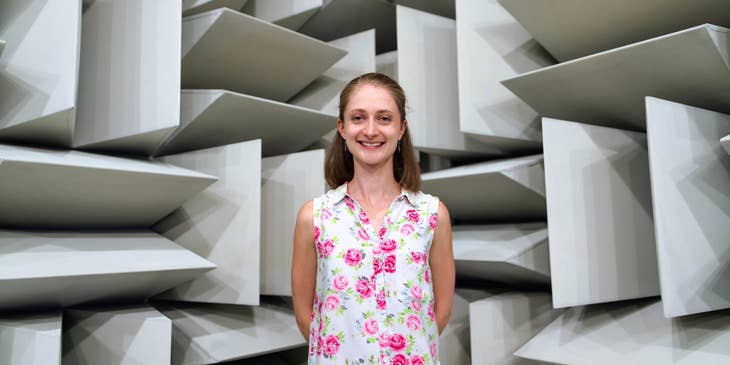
(371, 144)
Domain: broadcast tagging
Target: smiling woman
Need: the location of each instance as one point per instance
(373, 267)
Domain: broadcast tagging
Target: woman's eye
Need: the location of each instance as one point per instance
(357, 117)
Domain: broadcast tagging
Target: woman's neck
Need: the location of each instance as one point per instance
(374, 185)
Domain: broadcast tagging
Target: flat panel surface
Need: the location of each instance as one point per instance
(31, 339)
(444, 8)
(218, 117)
(516, 189)
(600, 224)
(592, 26)
(631, 333)
(63, 269)
(130, 84)
(207, 334)
(190, 7)
(608, 88)
(212, 56)
(427, 72)
(516, 253)
(501, 324)
(690, 179)
(287, 182)
(290, 14)
(70, 189)
(725, 141)
(221, 224)
(123, 335)
(38, 70)
(492, 46)
(454, 342)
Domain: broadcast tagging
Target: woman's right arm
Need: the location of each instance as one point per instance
(304, 268)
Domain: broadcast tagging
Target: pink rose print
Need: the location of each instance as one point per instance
(382, 232)
(397, 342)
(413, 322)
(340, 282)
(349, 203)
(389, 264)
(320, 345)
(364, 287)
(331, 302)
(416, 360)
(432, 221)
(430, 312)
(426, 277)
(384, 339)
(371, 326)
(417, 257)
(399, 359)
(331, 345)
(316, 233)
(380, 299)
(363, 217)
(434, 348)
(325, 214)
(388, 245)
(377, 266)
(363, 235)
(413, 215)
(327, 248)
(417, 292)
(416, 306)
(353, 257)
(407, 229)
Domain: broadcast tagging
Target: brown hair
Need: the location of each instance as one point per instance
(339, 167)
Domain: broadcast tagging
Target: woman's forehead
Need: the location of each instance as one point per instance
(372, 98)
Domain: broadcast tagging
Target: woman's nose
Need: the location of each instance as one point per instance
(371, 128)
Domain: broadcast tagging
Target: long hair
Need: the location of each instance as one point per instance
(339, 166)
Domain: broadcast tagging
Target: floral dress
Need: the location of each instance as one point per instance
(374, 299)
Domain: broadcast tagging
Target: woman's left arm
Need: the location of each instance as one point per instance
(443, 270)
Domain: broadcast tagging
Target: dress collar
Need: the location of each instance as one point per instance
(341, 192)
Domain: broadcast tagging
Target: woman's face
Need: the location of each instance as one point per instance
(372, 125)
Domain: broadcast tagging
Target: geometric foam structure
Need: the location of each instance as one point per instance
(2, 46)
(121, 335)
(70, 189)
(690, 178)
(218, 117)
(40, 269)
(221, 224)
(287, 182)
(213, 58)
(590, 27)
(129, 89)
(602, 245)
(633, 332)
(212, 333)
(190, 7)
(427, 46)
(492, 46)
(454, 343)
(290, 14)
(38, 70)
(514, 253)
(725, 141)
(30, 339)
(608, 88)
(516, 189)
(501, 324)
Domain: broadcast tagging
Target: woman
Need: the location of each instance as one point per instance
(373, 268)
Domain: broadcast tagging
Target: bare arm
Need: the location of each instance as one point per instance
(304, 268)
(443, 270)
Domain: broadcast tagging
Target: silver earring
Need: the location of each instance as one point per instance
(398, 147)
(344, 143)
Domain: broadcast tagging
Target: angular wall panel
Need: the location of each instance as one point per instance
(120, 335)
(515, 253)
(221, 224)
(290, 14)
(600, 224)
(608, 88)
(38, 70)
(516, 189)
(30, 339)
(212, 56)
(690, 179)
(70, 189)
(287, 182)
(217, 117)
(129, 87)
(427, 72)
(207, 334)
(2, 46)
(62, 269)
(492, 46)
(190, 7)
(501, 324)
(725, 141)
(454, 343)
(631, 333)
(589, 27)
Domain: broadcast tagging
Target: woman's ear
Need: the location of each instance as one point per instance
(403, 127)
(341, 128)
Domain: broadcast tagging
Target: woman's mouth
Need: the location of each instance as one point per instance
(371, 145)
